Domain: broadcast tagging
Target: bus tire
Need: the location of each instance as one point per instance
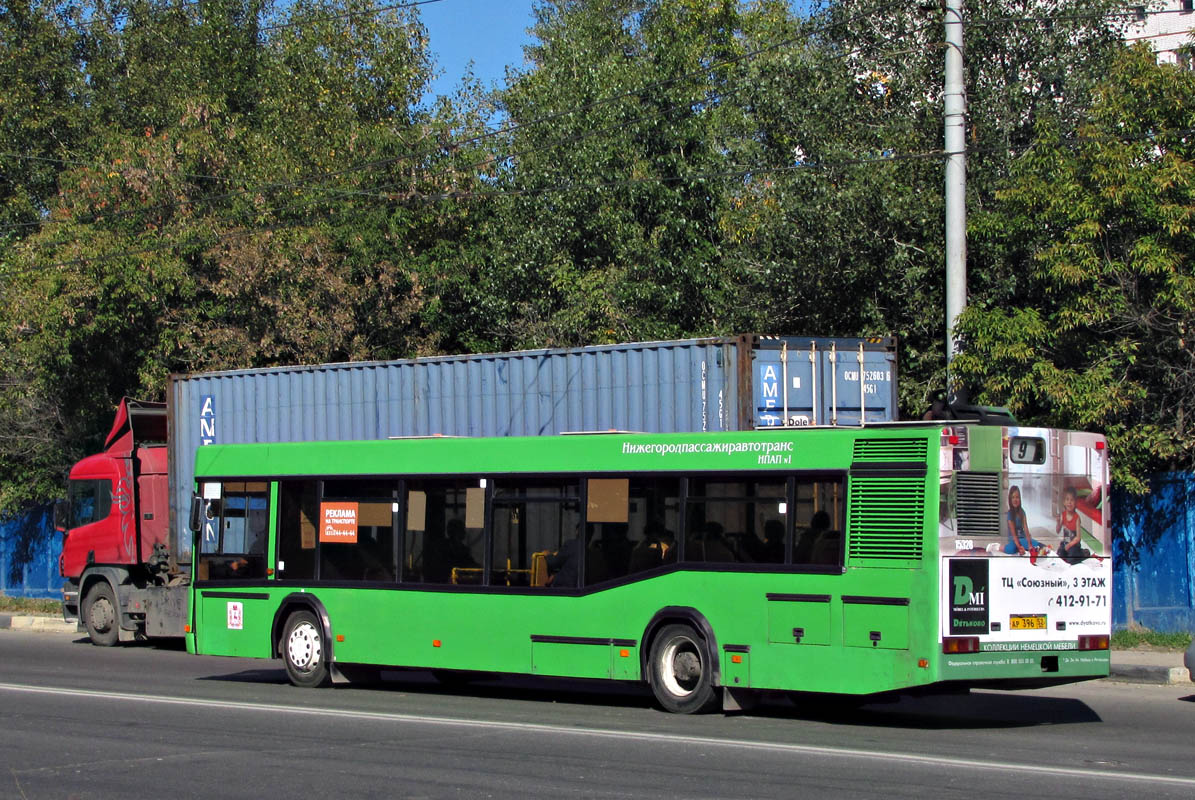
(681, 671)
(100, 615)
(304, 652)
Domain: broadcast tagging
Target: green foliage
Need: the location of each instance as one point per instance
(609, 220)
(241, 197)
(1092, 332)
(240, 183)
(42, 113)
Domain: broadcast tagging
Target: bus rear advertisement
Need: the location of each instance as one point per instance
(1031, 573)
(712, 566)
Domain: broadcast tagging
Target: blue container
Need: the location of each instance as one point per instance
(714, 384)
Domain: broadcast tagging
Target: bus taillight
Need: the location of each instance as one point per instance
(960, 644)
(1096, 642)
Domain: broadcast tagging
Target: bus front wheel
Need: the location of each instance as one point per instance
(303, 650)
(682, 671)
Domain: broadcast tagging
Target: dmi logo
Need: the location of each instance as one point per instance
(969, 596)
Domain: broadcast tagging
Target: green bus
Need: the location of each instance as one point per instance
(856, 561)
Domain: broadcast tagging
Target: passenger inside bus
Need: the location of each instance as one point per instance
(564, 565)
(709, 544)
(806, 550)
(773, 542)
(657, 549)
(446, 555)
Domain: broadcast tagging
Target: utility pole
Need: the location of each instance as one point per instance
(955, 98)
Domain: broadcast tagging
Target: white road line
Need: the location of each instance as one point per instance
(555, 730)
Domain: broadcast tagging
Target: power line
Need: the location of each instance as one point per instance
(1132, 15)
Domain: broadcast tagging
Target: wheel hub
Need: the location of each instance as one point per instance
(303, 647)
(101, 614)
(686, 667)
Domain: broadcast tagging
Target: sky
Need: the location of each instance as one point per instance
(491, 33)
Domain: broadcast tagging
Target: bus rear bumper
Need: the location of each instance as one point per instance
(1021, 668)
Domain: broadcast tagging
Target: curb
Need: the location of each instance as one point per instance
(1155, 674)
(31, 622)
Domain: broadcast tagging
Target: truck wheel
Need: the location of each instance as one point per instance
(303, 651)
(100, 615)
(682, 671)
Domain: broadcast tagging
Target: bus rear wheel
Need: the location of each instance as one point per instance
(99, 615)
(303, 651)
(682, 671)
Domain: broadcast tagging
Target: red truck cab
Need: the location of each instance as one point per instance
(115, 521)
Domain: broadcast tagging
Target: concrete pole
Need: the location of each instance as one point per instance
(956, 176)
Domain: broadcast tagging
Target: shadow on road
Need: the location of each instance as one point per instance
(979, 710)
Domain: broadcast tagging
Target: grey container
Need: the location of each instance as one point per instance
(714, 384)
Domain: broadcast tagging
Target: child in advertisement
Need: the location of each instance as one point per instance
(1071, 548)
(1019, 540)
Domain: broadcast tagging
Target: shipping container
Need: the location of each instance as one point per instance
(709, 384)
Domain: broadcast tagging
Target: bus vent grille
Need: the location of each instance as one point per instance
(887, 519)
(891, 450)
(977, 504)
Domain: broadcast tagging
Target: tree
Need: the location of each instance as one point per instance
(220, 216)
(607, 223)
(841, 229)
(43, 112)
(1103, 228)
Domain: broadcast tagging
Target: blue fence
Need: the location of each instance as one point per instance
(1153, 583)
(29, 550)
(1154, 579)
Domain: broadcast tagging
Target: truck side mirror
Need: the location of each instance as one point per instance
(62, 515)
(196, 522)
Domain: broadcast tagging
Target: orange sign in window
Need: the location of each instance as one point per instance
(338, 522)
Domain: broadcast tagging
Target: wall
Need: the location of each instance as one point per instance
(29, 549)
(1154, 577)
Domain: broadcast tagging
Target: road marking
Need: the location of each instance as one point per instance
(555, 730)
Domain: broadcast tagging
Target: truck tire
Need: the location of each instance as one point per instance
(100, 615)
(303, 651)
(682, 671)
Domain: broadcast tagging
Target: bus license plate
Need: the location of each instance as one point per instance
(1027, 622)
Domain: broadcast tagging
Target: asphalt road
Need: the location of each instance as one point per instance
(78, 721)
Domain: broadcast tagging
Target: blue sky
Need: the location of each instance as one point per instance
(491, 33)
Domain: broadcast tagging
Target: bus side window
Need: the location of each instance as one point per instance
(819, 523)
(534, 515)
(365, 549)
(629, 525)
(298, 513)
(443, 537)
(240, 522)
(729, 520)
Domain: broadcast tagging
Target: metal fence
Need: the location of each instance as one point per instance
(29, 550)
(1154, 579)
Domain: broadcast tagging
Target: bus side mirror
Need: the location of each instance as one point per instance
(196, 522)
(62, 514)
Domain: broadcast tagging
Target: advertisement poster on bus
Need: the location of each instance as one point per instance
(1026, 546)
